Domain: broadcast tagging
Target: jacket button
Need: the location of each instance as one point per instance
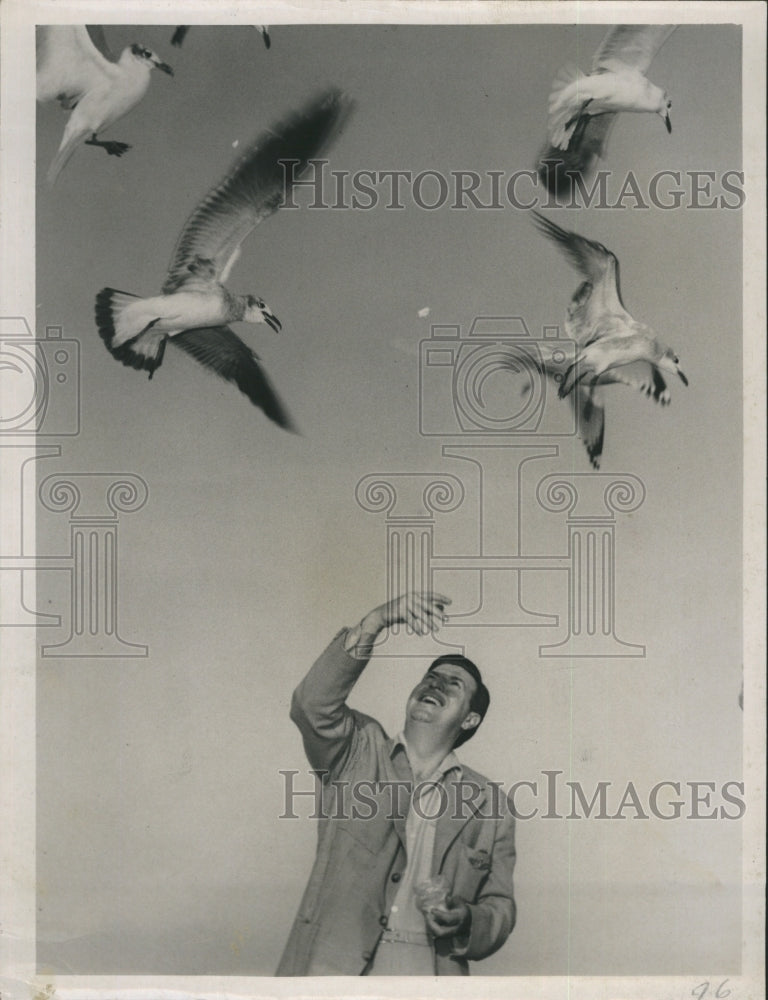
(383, 920)
(367, 956)
(396, 876)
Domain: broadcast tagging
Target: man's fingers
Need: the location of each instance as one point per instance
(411, 619)
(425, 617)
(442, 922)
(431, 609)
(431, 597)
(422, 615)
(421, 611)
(436, 929)
(438, 600)
(427, 623)
(415, 618)
(445, 918)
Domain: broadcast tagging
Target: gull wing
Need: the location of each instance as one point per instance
(557, 167)
(589, 409)
(630, 46)
(221, 350)
(69, 64)
(255, 187)
(584, 313)
(641, 375)
(586, 401)
(179, 35)
(591, 259)
(99, 39)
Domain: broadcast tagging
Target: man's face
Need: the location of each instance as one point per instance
(442, 698)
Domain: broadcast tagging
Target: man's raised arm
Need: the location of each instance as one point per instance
(318, 707)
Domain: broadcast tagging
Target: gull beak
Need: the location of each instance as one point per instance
(683, 379)
(163, 66)
(273, 321)
(667, 122)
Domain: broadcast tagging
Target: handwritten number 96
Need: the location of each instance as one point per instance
(702, 990)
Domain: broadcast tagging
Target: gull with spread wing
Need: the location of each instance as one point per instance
(76, 68)
(195, 308)
(583, 109)
(612, 346)
(181, 33)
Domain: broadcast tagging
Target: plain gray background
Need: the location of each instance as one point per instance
(159, 846)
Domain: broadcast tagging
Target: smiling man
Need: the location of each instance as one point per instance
(413, 873)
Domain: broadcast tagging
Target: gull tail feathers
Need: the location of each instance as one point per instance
(142, 349)
(564, 77)
(563, 112)
(60, 160)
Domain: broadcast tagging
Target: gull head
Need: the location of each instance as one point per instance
(149, 58)
(257, 311)
(670, 362)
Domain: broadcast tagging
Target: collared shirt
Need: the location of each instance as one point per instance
(420, 823)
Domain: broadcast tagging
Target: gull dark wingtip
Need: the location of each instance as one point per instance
(546, 226)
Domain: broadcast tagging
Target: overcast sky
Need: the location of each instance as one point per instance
(159, 846)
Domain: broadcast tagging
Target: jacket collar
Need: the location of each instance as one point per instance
(463, 802)
(449, 763)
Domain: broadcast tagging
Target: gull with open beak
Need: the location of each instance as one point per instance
(583, 108)
(611, 345)
(76, 68)
(195, 308)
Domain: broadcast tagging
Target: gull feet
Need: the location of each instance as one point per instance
(116, 148)
(112, 148)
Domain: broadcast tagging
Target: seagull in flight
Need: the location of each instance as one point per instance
(76, 68)
(583, 109)
(181, 33)
(195, 308)
(611, 346)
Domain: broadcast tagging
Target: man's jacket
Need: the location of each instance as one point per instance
(364, 798)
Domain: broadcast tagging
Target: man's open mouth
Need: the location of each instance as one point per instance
(433, 698)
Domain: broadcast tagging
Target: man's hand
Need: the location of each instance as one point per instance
(422, 612)
(452, 920)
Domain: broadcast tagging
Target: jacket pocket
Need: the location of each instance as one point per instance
(472, 869)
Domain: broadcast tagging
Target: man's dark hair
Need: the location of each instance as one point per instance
(481, 699)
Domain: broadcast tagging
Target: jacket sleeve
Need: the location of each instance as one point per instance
(494, 912)
(329, 728)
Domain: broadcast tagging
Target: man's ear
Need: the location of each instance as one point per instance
(471, 721)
